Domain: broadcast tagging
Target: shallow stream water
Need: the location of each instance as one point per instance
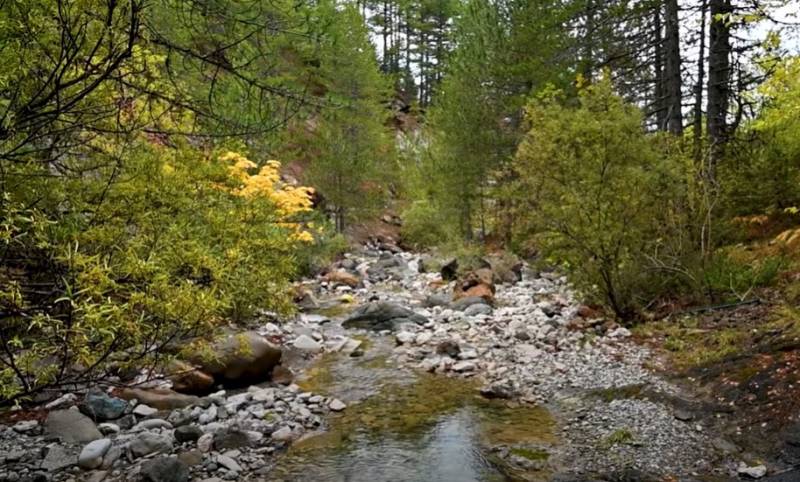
(409, 426)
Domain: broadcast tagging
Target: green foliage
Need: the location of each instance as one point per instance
(350, 142)
(601, 197)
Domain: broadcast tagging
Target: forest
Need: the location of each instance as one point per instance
(174, 171)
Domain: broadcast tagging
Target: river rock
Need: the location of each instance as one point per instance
(149, 443)
(101, 407)
(337, 405)
(307, 344)
(464, 303)
(164, 469)
(231, 438)
(71, 426)
(205, 443)
(478, 309)
(382, 315)
(26, 426)
(241, 358)
(58, 458)
(188, 433)
(283, 434)
(229, 463)
(162, 399)
(91, 456)
(143, 410)
(754, 472)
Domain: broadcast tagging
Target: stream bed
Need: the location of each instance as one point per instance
(404, 425)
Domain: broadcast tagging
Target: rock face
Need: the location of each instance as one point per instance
(102, 407)
(478, 283)
(382, 316)
(71, 426)
(159, 398)
(242, 358)
(164, 469)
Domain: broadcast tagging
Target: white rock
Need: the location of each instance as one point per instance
(209, 415)
(25, 426)
(464, 366)
(283, 434)
(229, 463)
(143, 410)
(205, 442)
(405, 338)
(756, 471)
(307, 344)
(91, 456)
(337, 405)
(423, 338)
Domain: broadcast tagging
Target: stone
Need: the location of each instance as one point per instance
(113, 454)
(71, 426)
(91, 457)
(188, 433)
(97, 476)
(101, 407)
(683, 415)
(229, 463)
(209, 415)
(499, 390)
(464, 303)
(245, 357)
(307, 344)
(436, 300)
(149, 443)
(143, 410)
(231, 439)
(161, 399)
(191, 458)
(478, 283)
(754, 472)
(151, 424)
(283, 434)
(58, 458)
(341, 277)
(405, 337)
(382, 315)
(337, 405)
(187, 378)
(164, 469)
(464, 366)
(478, 309)
(449, 348)
(26, 426)
(205, 443)
(108, 428)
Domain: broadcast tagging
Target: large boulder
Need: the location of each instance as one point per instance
(71, 426)
(478, 283)
(382, 315)
(241, 359)
(186, 378)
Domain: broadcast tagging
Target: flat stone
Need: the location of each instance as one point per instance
(91, 457)
(464, 366)
(229, 463)
(71, 426)
(307, 344)
(58, 458)
(25, 426)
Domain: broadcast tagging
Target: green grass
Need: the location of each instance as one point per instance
(530, 454)
(621, 436)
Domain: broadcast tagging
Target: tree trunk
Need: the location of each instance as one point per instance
(698, 88)
(719, 77)
(659, 105)
(672, 69)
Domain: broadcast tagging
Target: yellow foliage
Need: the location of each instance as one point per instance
(789, 238)
(289, 200)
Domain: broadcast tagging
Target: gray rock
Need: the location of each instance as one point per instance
(337, 405)
(26, 426)
(71, 426)
(307, 344)
(283, 434)
(152, 424)
(478, 309)
(149, 442)
(464, 303)
(91, 457)
(108, 428)
(229, 463)
(436, 300)
(188, 433)
(143, 410)
(231, 439)
(101, 407)
(382, 315)
(164, 469)
(755, 472)
(205, 443)
(58, 458)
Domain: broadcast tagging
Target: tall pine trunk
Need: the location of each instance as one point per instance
(672, 69)
(719, 77)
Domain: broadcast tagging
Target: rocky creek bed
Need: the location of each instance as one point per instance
(396, 381)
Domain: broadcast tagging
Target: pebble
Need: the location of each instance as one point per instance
(143, 410)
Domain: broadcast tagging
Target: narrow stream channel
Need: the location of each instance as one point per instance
(404, 425)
